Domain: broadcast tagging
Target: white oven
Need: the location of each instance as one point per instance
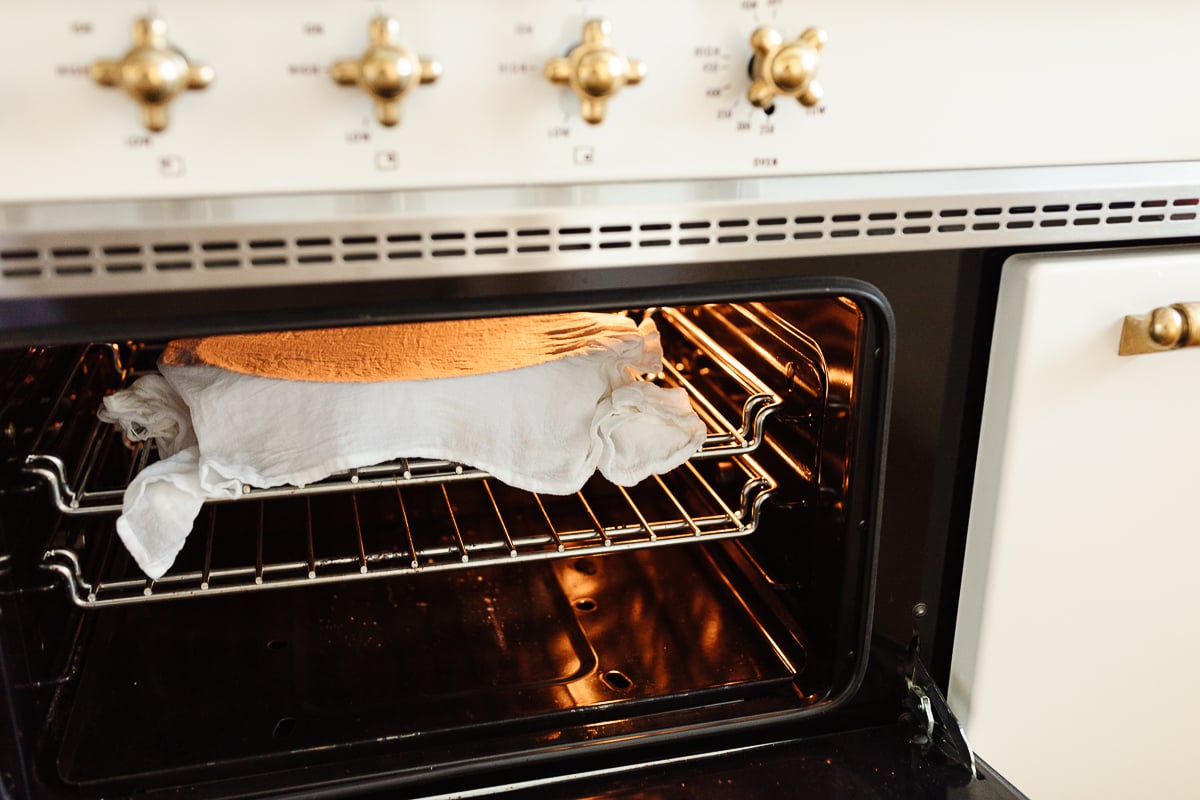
(890, 248)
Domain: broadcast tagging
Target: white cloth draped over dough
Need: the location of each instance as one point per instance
(568, 403)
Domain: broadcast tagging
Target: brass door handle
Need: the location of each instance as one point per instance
(1166, 328)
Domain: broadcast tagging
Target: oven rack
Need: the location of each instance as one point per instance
(405, 530)
(81, 481)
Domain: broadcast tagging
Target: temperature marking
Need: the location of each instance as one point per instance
(171, 166)
(386, 160)
(81, 27)
(314, 29)
(519, 68)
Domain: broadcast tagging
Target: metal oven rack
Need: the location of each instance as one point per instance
(77, 485)
(314, 539)
(408, 516)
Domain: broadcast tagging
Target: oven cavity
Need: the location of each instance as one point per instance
(424, 607)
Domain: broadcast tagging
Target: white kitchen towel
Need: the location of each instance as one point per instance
(545, 427)
(151, 409)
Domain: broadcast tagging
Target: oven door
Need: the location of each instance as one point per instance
(1082, 547)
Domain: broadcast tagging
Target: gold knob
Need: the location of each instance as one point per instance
(594, 70)
(153, 72)
(1165, 328)
(387, 70)
(785, 68)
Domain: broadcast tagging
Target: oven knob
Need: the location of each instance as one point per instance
(387, 70)
(153, 72)
(594, 70)
(787, 68)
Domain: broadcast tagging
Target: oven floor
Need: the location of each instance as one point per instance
(175, 687)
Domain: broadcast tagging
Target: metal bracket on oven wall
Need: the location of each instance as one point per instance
(935, 722)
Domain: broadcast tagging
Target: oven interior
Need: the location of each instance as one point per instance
(419, 620)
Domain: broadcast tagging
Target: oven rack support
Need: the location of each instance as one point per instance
(495, 526)
(72, 479)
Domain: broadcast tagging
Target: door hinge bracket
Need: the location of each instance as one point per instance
(936, 725)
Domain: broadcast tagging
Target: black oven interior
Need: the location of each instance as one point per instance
(415, 619)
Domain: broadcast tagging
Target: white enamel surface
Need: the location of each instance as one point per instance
(918, 85)
(1075, 658)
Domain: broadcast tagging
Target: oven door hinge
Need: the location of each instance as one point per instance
(935, 723)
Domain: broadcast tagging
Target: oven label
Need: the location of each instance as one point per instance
(766, 163)
(171, 166)
(386, 160)
(518, 68)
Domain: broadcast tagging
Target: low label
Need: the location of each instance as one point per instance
(558, 133)
(137, 140)
(358, 137)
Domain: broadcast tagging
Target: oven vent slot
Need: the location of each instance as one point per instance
(380, 250)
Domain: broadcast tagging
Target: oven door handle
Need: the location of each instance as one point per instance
(1166, 328)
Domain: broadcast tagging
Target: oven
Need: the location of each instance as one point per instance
(822, 253)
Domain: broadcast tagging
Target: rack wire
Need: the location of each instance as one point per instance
(87, 464)
(406, 529)
(410, 515)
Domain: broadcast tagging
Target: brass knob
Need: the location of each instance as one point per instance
(153, 72)
(594, 70)
(387, 70)
(1165, 328)
(790, 68)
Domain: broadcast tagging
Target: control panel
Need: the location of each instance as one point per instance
(128, 99)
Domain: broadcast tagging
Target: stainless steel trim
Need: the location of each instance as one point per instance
(72, 249)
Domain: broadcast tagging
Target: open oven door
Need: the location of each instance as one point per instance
(864, 765)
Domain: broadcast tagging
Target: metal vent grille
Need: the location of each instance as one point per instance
(146, 259)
